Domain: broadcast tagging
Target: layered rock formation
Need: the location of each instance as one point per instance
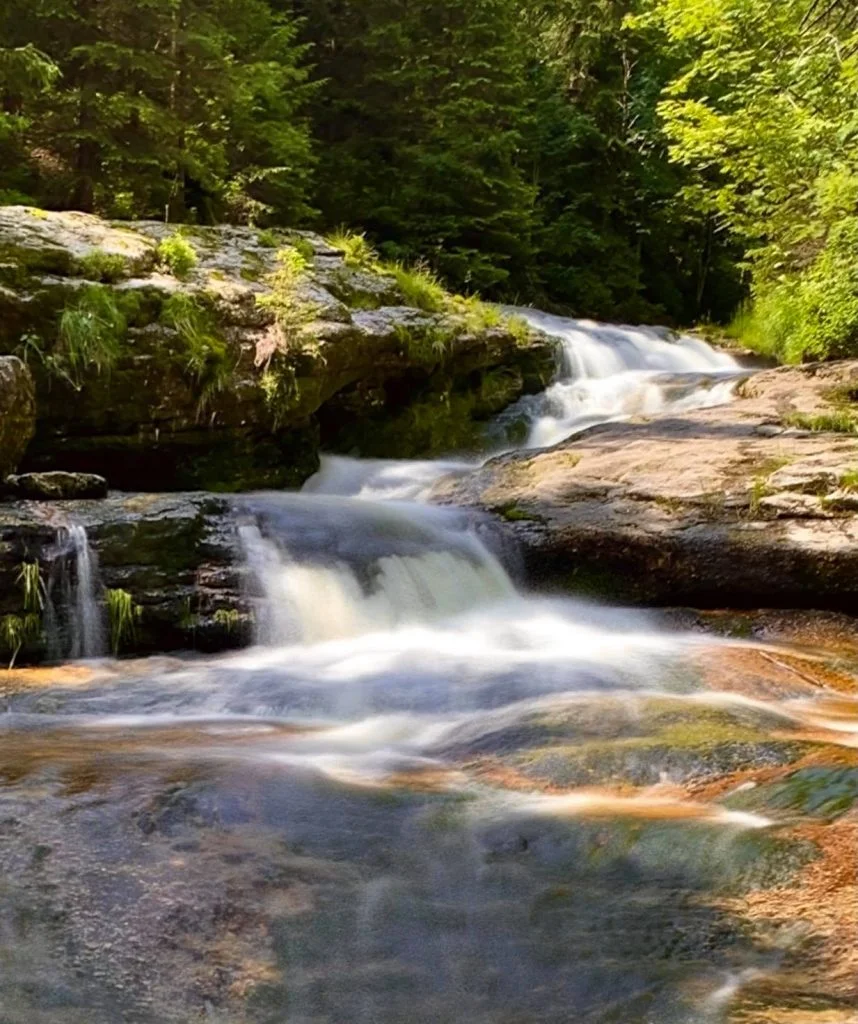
(218, 358)
(750, 504)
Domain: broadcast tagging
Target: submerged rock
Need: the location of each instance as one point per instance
(708, 507)
(57, 485)
(17, 412)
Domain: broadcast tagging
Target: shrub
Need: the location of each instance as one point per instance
(177, 255)
(812, 314)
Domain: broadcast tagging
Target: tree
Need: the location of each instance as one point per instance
(421, 123)
(175, 108)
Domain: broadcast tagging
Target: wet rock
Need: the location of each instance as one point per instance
(695, 507)
(17, 411)
(56, 486)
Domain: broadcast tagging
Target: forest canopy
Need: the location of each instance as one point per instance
(638, 159)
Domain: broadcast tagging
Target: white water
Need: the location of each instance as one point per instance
(605, 373)
(74, 617)
(611, 372)
(392, 643)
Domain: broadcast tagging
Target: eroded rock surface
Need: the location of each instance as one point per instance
(224, 378)
(749, 504)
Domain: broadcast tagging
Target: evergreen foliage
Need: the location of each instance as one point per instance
(636, 159)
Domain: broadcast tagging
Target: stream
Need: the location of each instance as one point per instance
(426, 794)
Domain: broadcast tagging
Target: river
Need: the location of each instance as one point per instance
(425, 795)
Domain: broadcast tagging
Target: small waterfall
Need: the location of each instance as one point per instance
(383, 567)
(74, 618)
(612, 372)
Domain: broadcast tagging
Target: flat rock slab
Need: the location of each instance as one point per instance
(748, 504)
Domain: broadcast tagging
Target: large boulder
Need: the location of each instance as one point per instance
(17, 412)
(226, 367)
(751, 504)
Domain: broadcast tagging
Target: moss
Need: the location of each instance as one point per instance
(513, 513)
(253, 266)
(102, 266)
(822, 791)
(841, 421)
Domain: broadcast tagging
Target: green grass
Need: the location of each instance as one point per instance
(177, 255)
(91, 335)
(357, 252)
(419, 287)
(840, 421)
(123, 615)
(229, 619)
(29, 576)
(205, 353)
(849, 480)
(16, 630)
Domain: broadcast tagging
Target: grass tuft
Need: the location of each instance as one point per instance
(123, 615)
(357, 252)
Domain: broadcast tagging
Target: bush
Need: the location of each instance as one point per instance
(810, 315)
(177, 255)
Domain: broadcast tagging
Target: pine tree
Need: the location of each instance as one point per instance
(421, 124)
(179, 108)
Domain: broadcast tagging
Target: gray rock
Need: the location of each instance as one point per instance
(57, 485)
(17, 411)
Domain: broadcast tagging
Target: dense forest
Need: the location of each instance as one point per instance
(678, 160)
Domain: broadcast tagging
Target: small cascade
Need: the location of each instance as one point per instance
(612, 372)
(74, 618)
(369, 568)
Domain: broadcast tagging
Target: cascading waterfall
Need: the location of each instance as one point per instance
(605, 372)
(536, 855)
(400, 565)
(74, 617)
(610, 372)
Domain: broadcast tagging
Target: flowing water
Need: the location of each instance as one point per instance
(425, 795)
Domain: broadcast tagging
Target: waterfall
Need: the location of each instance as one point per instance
(74, 618)
(368, 568)
(610, 372)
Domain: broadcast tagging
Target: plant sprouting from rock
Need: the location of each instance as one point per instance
(123, 615)
(291, 309)
(177, 255)
(91, 334)
(204, 351)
